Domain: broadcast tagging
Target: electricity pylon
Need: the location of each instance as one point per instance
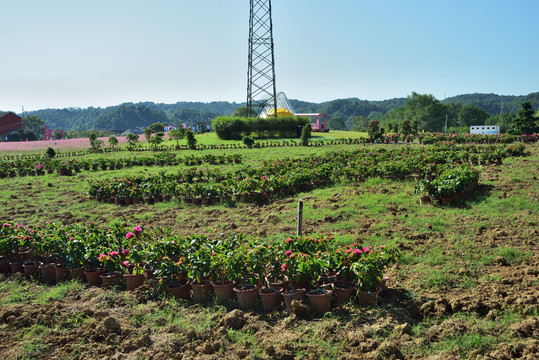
(261, 88)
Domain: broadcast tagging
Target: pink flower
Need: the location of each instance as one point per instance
(284, 267)
(114, 253)
(6, 225)
(137, 229)
(101, 257)
(288, 252)
(129, 235)
(125, 263)
(125, 251)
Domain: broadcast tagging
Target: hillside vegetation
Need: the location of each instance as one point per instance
(353, 112)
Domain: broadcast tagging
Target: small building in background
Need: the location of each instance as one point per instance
(318, 121)
(9, 122)
(485, 130)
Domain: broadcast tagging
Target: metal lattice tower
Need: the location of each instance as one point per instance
(261, 90)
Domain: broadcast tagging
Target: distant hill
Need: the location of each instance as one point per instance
(492, 103)
(130, 115)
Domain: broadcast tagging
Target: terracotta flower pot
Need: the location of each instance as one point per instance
(61, 273)
(224, 291)
(344, 292)
(16, 267)
(320, 301)
(294, 294)
(247, 296)
(368, 297)
(299, 284)
(271, 298)
(30, 268)
(181, 291)
(78, 274)
(48, 273)
(111, 278)
(4, 266)
(201, 291)
(133, 281)
(93, 276)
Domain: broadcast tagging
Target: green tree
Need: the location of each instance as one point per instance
(191, 140)
(360, 123)
(306, 134)
(95, 143)
(33, 124)
(336, 123)
(525, 122)
(156, 140)
(426, 111)
(471, 115)
(113, 141)
(147, 134)
(177, 134)
(244, 112)
(132, 139)
(156, 127)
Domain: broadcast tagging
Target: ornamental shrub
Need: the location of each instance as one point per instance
(50, 153)
(248, 141)
(235, 128)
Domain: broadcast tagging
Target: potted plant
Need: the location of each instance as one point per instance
(200, 261)
(369, 272)
(112, 263)
(227, 266)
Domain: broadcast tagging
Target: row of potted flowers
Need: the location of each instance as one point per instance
(39, 166)
(277, 178)
(189, 267)
(454, 138)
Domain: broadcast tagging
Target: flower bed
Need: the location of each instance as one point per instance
(37, 165)
(280, 178)
(160, 254)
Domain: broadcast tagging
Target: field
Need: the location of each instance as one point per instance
(466, 284)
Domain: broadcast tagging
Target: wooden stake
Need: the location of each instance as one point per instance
(300, 217)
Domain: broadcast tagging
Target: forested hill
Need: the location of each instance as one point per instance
(492, 103)
(129, 115)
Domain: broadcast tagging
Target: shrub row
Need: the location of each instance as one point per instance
(235, 128)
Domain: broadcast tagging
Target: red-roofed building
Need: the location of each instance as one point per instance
(9, 122)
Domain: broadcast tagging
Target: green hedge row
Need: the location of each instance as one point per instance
(235, 128)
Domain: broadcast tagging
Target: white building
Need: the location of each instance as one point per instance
(485, 130)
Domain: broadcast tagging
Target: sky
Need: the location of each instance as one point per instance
(82, 53)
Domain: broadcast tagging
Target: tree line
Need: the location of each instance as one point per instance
(350, 114)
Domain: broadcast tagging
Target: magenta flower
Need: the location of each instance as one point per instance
(125, 263)
(114, 253)
(125, 251)
(288, 252)
(129, 235)
(137, 229)
(284, 267)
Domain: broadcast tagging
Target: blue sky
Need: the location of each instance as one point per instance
(66, 53)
